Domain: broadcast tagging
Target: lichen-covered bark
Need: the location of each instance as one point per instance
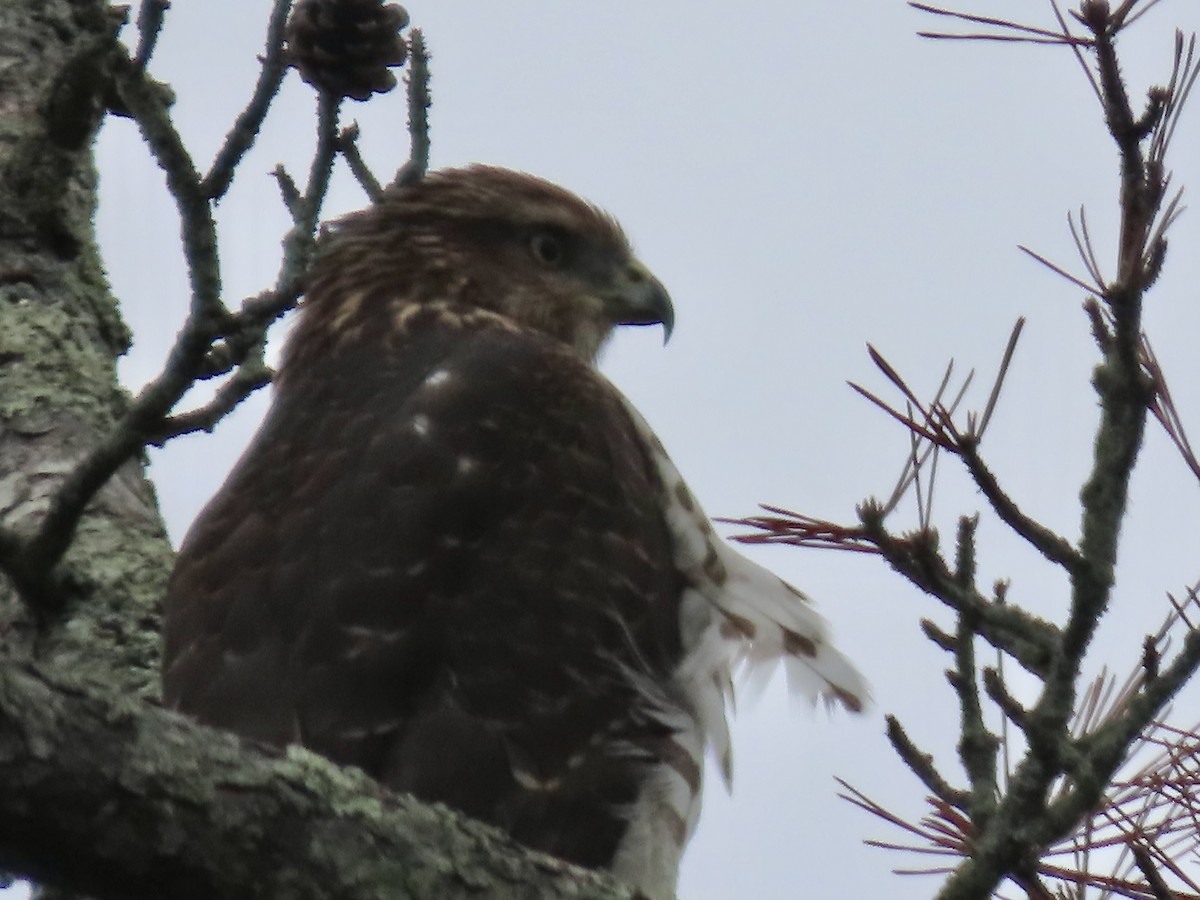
(152, 805)
(60, 336)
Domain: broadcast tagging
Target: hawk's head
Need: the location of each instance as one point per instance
(489, 239)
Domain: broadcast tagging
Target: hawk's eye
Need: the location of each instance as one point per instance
(547, 248)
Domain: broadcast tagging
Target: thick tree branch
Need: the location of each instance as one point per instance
(153, 805)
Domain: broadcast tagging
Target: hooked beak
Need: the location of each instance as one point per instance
(638, 298)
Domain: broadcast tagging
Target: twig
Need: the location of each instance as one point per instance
(149, 23)
(1054, 547)
(245, 332)
(977, 746)
(288, 192)
(1029, 640)
(347, 145)
(249, 377)
(417, 81)
(249, 121)
(328, 107)
(998, 693)
(922, 766)
(935, 425)
(942, 639)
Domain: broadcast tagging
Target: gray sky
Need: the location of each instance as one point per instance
(805, 177)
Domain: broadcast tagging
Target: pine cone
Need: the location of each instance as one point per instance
(346, 47)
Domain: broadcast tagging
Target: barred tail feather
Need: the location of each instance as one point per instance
(736, 615)
(773, 621)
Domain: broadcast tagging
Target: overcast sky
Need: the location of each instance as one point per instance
(805, 177)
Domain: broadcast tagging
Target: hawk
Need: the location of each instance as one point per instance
(456, 557)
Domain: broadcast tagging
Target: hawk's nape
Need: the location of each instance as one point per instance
(456, 557)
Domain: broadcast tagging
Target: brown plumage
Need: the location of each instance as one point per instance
(455, 556)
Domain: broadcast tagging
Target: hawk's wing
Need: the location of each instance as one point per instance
(445, 561)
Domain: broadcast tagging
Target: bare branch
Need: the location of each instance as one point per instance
(1054, 547)
(328, 107)
(347, 145)
(251, 375)
(149, 23)
(922, 766)
(417, 81)
(125, 781)
(977, 746)
(998, 693)
(249, 122)
(288, 192)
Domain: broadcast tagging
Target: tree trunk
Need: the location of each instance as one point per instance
(60, 337)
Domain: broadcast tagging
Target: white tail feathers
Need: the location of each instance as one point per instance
(736, 616)
(755, 621)
(773, 622)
